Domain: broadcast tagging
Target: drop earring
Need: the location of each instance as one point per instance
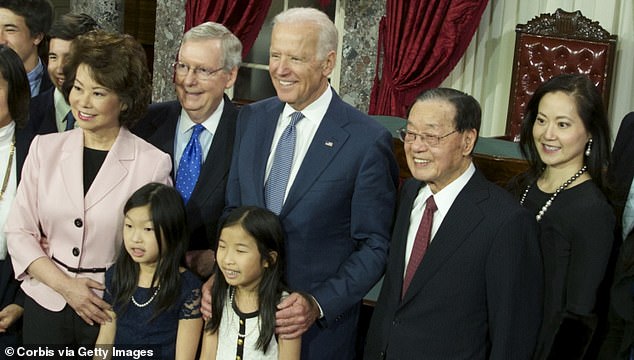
(589, 147)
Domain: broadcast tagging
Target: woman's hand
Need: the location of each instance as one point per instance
(79, 294)
(9, 315)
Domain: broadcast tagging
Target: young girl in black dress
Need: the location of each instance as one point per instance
(155, 301)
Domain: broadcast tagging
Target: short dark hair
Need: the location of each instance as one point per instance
(117, 62)
(468, 112)
(19, 91)
(70, 26)
(167, 212)
(592, 112)
(37, 14)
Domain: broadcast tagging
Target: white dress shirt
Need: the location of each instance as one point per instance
(443, 199)
(306, 130)
(61, 110)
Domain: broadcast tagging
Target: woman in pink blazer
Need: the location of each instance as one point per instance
(65, 225)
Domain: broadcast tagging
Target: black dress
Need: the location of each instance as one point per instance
(576, 241)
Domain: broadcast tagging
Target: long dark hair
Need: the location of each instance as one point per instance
(19, 91)
(265, 228)
(170, 228)
(591, 110)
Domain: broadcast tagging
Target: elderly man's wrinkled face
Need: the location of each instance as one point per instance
(438, 161)
(298, 76)
(200, 95)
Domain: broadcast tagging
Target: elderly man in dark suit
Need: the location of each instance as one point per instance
(464, 274)
(199, 129)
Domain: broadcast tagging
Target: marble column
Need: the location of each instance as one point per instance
(108, 13)
(170, 25)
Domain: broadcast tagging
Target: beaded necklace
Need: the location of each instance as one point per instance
(549, 202)
(147, 302)
(7, 174)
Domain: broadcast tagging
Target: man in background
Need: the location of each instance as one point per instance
(49, 112)
(23, 27)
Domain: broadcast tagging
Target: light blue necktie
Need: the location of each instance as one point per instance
(275, 187)
(189, 166)
(70, 121)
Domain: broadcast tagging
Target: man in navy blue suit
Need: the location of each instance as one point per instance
(338, 204)
(476, 293)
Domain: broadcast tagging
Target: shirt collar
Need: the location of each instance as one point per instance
(315, 110)
(61, 106)
(35, 75)
(210, 124)
(445, 197)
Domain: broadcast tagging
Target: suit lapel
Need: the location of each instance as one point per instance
(263, 138)
(23, 139)
(329, 139)
(163, 137)
(71, 166)
(463, 216)
(401, 228)
(113, 169)
(216, 164)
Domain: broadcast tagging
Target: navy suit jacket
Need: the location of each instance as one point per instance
(42, 113)
(477, 293)
(337, 215)
(208, 198)
(46, 82)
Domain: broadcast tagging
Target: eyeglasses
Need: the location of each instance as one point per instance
(408, 136)
(201, 72)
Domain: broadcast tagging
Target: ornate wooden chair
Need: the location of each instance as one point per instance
(553, 44)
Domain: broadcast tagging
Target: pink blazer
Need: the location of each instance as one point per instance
(51, 217)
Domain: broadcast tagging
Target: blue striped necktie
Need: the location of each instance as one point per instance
(275, 187)
(190, 164)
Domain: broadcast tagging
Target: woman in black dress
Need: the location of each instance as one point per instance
(565, 139)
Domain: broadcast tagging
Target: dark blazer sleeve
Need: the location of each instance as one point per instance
(621, 171)
(620, 336)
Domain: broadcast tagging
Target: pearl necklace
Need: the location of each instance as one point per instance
(147, 302)
(544, 208)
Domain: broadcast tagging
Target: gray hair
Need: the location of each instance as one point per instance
(327, 32)
(230, 44)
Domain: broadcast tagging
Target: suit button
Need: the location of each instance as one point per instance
(79, 223)
(76, 251)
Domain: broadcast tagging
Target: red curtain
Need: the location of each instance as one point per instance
(244, 18)
(420, 42)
